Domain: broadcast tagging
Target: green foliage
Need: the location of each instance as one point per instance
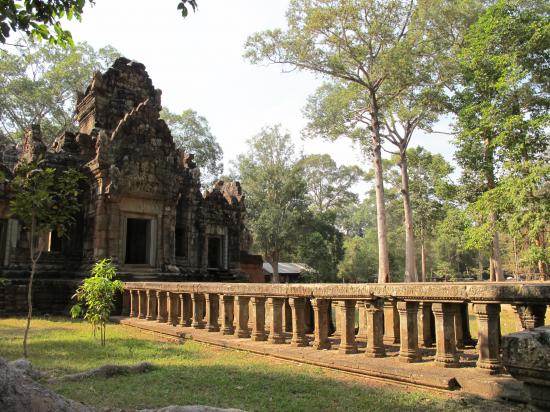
(275, 191)
(38, 85)
(360, 260)
(45, 197)
(329, 186)
(40, 19)
(192, 133)
(97, 294)
(502, 107)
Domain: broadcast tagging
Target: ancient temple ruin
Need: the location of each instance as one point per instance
(142, 204)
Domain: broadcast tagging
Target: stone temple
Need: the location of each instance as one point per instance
(142, 204)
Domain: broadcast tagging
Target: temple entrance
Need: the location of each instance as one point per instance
(138, 234)
(214, 253)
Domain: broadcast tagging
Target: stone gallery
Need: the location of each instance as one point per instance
(142, 204)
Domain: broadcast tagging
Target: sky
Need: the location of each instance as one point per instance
(197, 63)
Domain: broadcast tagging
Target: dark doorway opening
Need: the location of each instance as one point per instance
(137, 241)
(181, 242)
(214, 252)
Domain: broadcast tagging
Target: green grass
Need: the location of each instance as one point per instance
(195, 373)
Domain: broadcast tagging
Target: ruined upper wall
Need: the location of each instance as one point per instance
(113, 94)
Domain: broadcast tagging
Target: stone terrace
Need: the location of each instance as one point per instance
(399, 324)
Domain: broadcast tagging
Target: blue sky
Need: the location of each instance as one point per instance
(198, 64)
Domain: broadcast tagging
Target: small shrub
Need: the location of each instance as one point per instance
(96, 296)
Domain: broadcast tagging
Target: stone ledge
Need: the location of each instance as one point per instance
(497, 292)
(424, 375)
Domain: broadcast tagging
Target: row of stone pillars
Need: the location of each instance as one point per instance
(381, 322)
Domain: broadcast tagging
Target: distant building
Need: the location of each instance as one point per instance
(288, 272)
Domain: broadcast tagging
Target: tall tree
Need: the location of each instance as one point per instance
(39, 83)
(192, 133)
(503, 105)
(275, 193)
(356, 42)
(412, 95)
(430, 189)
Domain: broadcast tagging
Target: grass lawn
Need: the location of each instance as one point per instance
(195, 373)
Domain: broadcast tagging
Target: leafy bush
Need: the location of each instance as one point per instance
(96, 296)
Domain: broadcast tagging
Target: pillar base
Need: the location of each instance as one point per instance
(321, 345)
(376, 354)
(276, 340)
(299, 344)
(348, 350)
(260, 337)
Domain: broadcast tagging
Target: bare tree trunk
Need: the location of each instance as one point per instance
(495, 249)
(29, 287)
(495, 256)
(480, 265)
(275, 266)
(516, 264)
(383, 253)
(541, 264)
(423, 255)
(410, 252)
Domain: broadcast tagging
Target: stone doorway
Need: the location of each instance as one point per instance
(214, 252)
(138, 235)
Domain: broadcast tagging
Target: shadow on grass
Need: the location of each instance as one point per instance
(251, 388)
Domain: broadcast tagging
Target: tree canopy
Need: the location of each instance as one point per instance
(39, 84)
(192, 133)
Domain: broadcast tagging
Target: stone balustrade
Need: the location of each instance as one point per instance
(414, 316)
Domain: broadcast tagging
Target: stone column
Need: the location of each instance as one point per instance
(151, 304)
(287, 317)
(308, 317)
(258, 319)
(391, 322)
(375, 328)
(337, 318)
(445, 335)
(172, 308)
(161, 306)
(459, 328)
(142, 304)
(321, 318)
(212, 312)
(463, 307)
(185, 313)
(242, 316)
(198, 310)
(425, 336)
(531, 316)
(408, 321)
(228, 314)
(297, 306)
(126, 302)
(488, 336)
(362, 333)
(347, 337)
(133, 305)
(276, 334)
